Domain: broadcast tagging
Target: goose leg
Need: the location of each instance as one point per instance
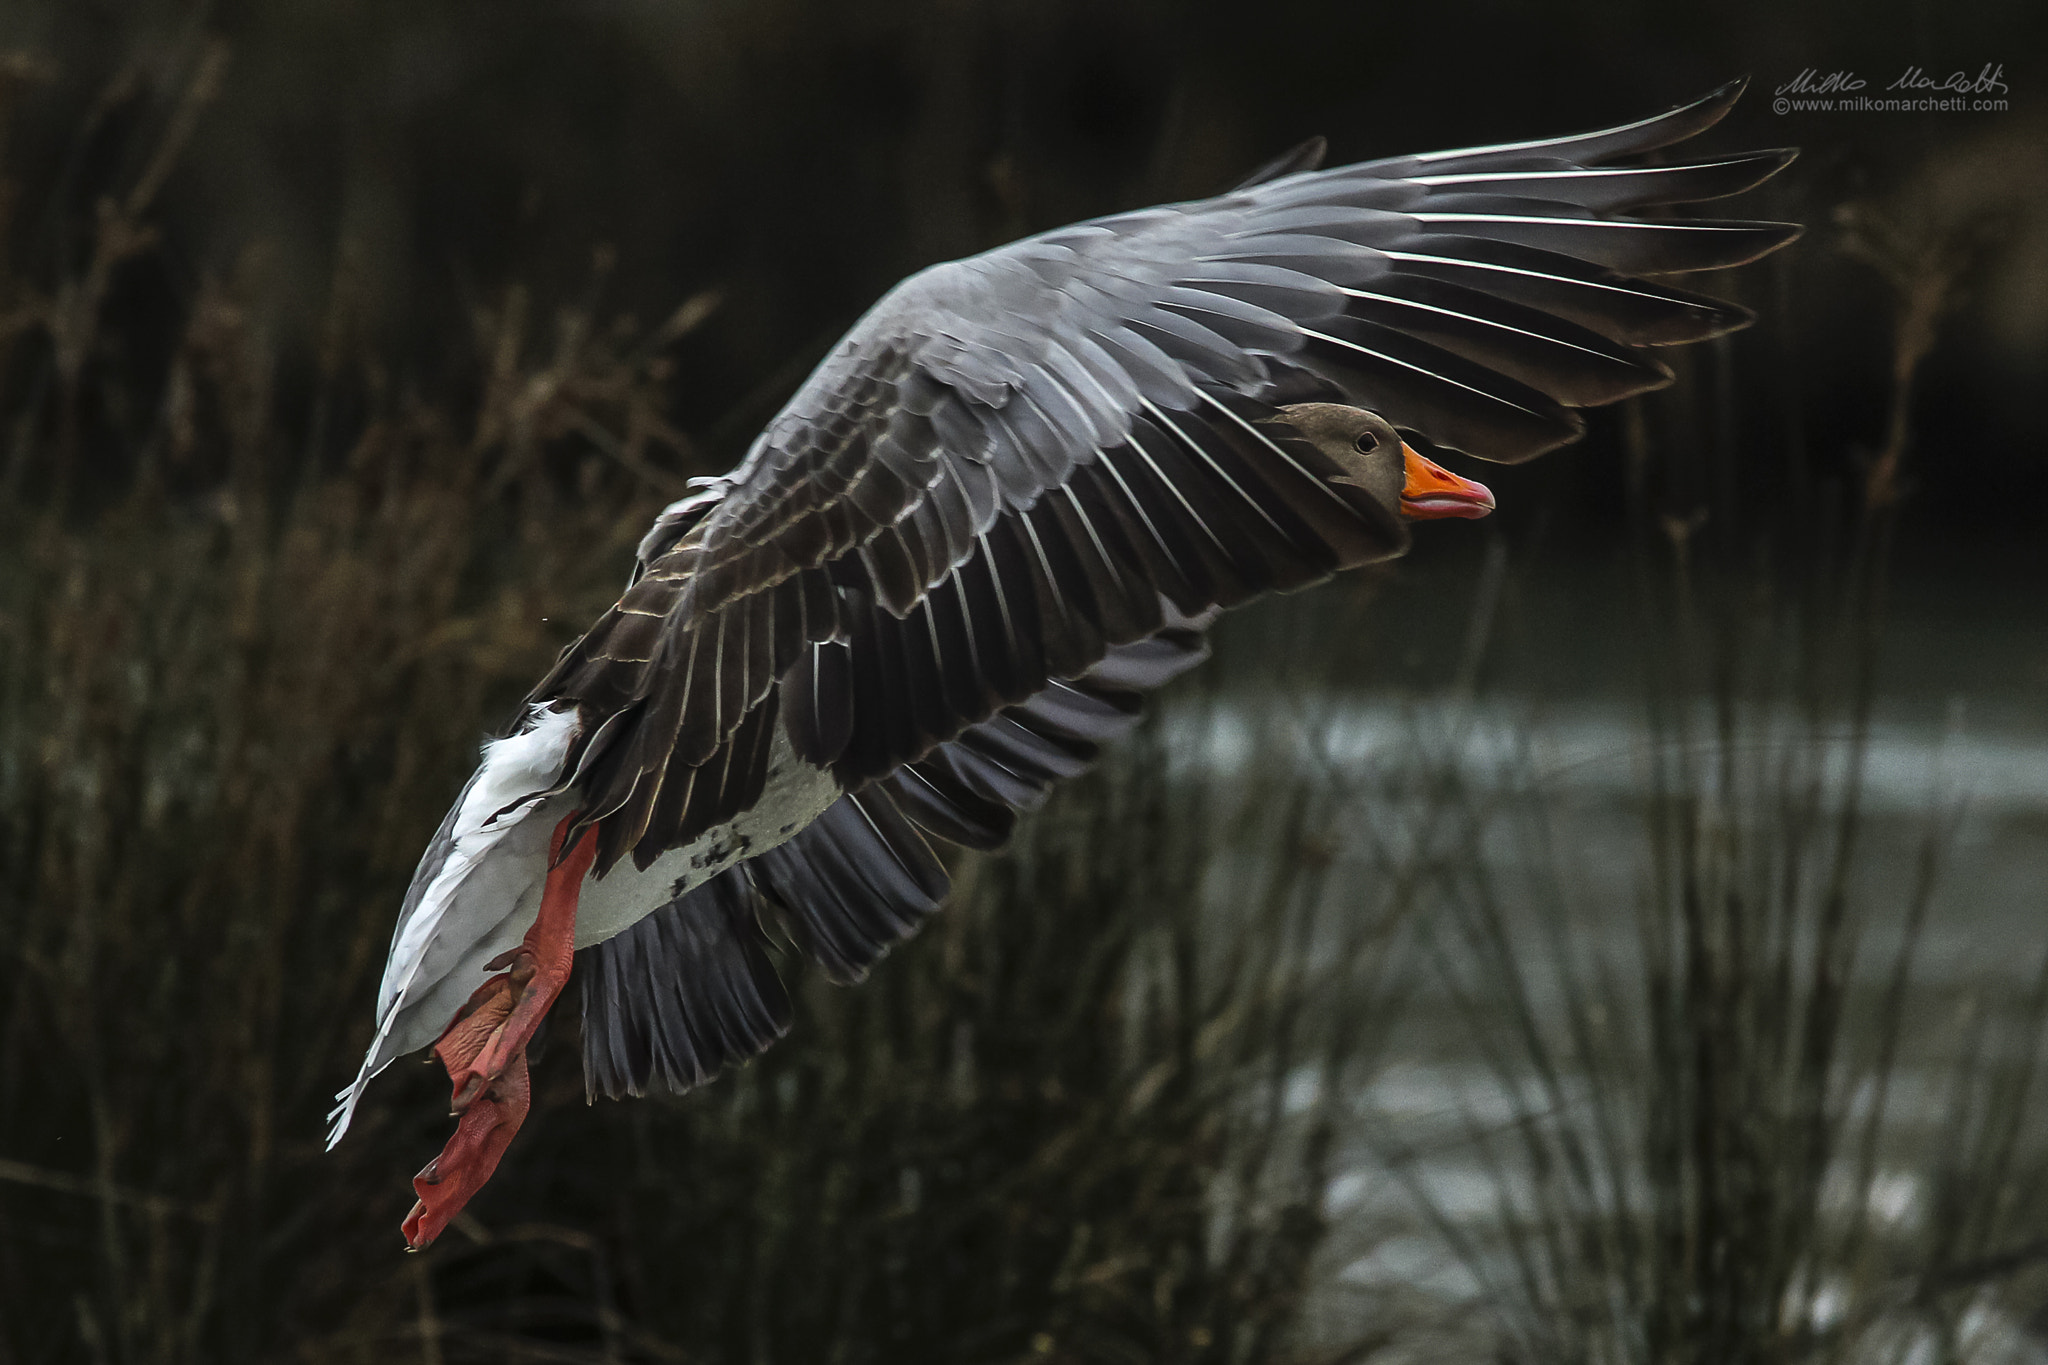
(484, 1048)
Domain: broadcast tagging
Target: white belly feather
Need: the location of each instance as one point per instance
(796, 794)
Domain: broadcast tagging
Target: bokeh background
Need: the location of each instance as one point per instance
(1623, 942)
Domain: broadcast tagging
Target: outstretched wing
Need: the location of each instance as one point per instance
(690, 989)
(1001, 471)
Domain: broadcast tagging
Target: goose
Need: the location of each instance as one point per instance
(1003, 508)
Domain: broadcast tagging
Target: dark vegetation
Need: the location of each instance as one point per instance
(1698, 1104)
(263, 585)
(239, 677)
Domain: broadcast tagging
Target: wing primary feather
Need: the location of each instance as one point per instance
(681, 995)
(853, 883)
(982, 607)
(1639, 135)
(1382, 356)
(1613, 188)
(907, 850)
(924, 674)
(1226, 577)
(1127, 611)
(885, 726)
(1279, 453)
(1546, 338)
(1054, 592)
(978, 699)
(799, 699)
(1080, 590)
(1190, 443)
(1661, 247)
(1169, 569)
(1623, 309)
(829, 692)
(1066, 641)
(1011, 612)
(956, 699)
(1568, 364)
(952, 812)
(1179, 495)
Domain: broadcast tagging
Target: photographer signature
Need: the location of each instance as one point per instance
(1990, 80)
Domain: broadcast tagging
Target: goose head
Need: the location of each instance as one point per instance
(1376, 459)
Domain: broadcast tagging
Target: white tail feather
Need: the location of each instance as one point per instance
(475, 844)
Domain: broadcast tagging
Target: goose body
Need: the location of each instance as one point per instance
(1003, 508)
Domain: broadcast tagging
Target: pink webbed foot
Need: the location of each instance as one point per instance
(484, 1049)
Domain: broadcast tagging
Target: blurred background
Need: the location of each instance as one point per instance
(1613, 933)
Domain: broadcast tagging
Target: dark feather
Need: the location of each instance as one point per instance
(817, 704)
(968, 790)
(1458, 403)
(1612, 189)
(932, 795)
(1671, 248)
(852, 884)
(681, 995)
(1570, 364)
(1605, 144)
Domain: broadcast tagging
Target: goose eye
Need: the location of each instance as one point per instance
(1367, 442)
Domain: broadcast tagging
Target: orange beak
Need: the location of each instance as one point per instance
(1432, 491)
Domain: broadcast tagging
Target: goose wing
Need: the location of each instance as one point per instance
(691, 989)
(1014, 461)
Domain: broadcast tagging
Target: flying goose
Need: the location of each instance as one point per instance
(1004, 507)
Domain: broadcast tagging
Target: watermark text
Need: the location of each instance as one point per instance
(1913, 90)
